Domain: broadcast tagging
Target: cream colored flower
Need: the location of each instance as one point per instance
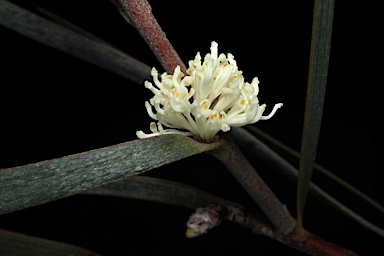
(211, 97)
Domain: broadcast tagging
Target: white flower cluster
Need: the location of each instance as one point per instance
(211, 97)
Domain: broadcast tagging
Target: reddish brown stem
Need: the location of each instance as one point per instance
(139, 14)
(314, 245)
(250, 180)
(210, 216)
(285, 229)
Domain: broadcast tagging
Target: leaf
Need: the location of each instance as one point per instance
(15, 244)
(160, 191)
(318, 168)
(179, 194)
(78, 45)
(317, 80)
(38, 183)
(255, 147)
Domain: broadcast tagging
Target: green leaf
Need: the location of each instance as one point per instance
(82, 46)
(16, 244)
(319, 168)
(317, 81)
(262, 152)
(38, 183)
(160, 191)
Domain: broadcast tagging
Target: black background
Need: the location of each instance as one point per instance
(54, 105)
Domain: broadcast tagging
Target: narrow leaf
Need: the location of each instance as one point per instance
(73, 43)
(38, 183)
(319, 168)
(160, 191)
(317, 80)
(251, 144)
(175, 193)
(16, 244)
(65, 23)
(179, 194)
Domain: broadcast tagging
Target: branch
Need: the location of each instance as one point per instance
(138, 13)
(285, 229)
(204, 219)
(211, 210)
(249, 179)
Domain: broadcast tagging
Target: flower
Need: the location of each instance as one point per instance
(212, 96)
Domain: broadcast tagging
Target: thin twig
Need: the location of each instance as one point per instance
(138, 13)
(246, 175)
(285, 229)
(211, 210)
(206, 218)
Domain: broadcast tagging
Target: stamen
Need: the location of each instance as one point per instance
(212, 97)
